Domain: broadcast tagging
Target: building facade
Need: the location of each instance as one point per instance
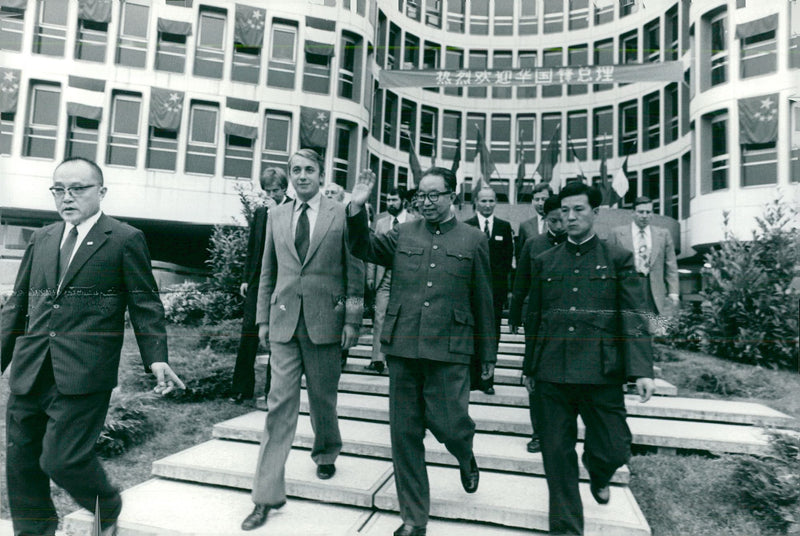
(183, 102)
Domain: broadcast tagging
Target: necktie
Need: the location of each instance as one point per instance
(643, 255)
(395, 223)
(65, 254)
(301, 233)
(486, 229)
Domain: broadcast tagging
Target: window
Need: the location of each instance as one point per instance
(350, 68)
(719, 152)
(626, 7)
(433, 13)
(501, 138)
(12, 25)
(526, 136)
(628, 127)
(238, 156)
(277, 139)
(412, 9)
(552, 58)
(171, 52)
(759, 164)
(317, 71)
(408, 124)
(527, 60)
(603, 55)
(478, 61)
(578, 14)
(209, 53)
(346, 145)
(380, 40)
(428, 130)
(283, 57)
(603, 12)
(670, 113)
(42, 127)
(528, 22)
(453, 60)
(759, 55)
(90, 44)
(475, 123)
(633, 189)
(671, 198)
(82, 137)
(578, 55)
(377, 111)
(602, 130)
(411, 52)
(503, 17)
(719, 50)
(132, 42)
(687, 187)
(6, 132)
(123, 135)
(201, 147)
(162, 149)
(387, 176)
(51, 28)
(394, 50)
(651, 112)
(651, 187)
(451, 133)
(576, 132)
(553, 19)
(390, 120)
(479, 17)
(455, 16)
(671, 27)
(652, 42)
(551, 124)
(246, 63)
(430, 59)
(629, 48)
(502, 60)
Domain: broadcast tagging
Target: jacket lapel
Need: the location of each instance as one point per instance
(51, 247)
(94, 240)
(283, 229)
(323, 223)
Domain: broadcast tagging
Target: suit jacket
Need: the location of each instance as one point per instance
(527, 230)
(501, 252)
(522, 282)
(82, 324)
(585, 319)
(255, 244)
(440, 305)
(328, 286)
(663, 273)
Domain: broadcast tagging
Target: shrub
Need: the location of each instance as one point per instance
(223, 337)
(183, 304)
(684, 330)
(751, 311)
(127, 423)
(227, 255)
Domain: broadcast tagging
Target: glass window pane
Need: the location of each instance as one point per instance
(135, 20)
(126, 116)
(204, 125)
(45, 107)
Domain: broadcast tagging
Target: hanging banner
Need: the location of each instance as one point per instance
(9, 90)
(166, 108)
(668, 71)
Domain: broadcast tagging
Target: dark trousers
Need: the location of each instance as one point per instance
(53, 436)
(244, 378)
(424, 393)
(607, 443)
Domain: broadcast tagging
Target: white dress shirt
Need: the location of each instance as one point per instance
(482, 222)
(83, 229)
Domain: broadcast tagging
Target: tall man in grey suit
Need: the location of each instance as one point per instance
(653, 254)
(440, 314)
(310, 302)
(61, 332)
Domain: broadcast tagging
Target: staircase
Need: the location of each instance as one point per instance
(204, 489)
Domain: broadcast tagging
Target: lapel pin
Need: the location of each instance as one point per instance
(89, 243)
(282, 307)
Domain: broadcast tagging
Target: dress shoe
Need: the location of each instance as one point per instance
(259, 515)
(325, 471)
(534, 446)
(489, 390)
(238, 398)
(410, 530)
(110, 530)
(601, 494)
(377, 366)
(470, 477)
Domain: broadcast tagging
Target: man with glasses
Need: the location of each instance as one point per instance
(61, 332)
(440, 314)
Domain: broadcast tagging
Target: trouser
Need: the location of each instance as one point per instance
(52, 436)
(607, 443)
(243, 372)
(423, 392)
(322, 367)
(381, 303)
(532, 412)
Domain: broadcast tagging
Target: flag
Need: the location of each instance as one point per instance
(249, 27)
(520, 171)
(413, 162)
(454, 168)
(550, 157)
(9, 89)
(314, 125)
(758, 119)
(165, 108)
(97, 529)
(433, 156)
(620, 181)
(577, 160)
(484, 165)
(94, 10)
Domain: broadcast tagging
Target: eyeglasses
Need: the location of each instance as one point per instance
(74, 191)
(433, 197)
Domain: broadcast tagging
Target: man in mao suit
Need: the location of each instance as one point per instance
(534, 226)
(61, 333)
(501, 255)
(653, 254)
(310, 303)
(585, 337)
(274, 183)
(440, 314)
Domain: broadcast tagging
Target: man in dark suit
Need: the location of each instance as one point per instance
(61, 332)
(501, 255)
(522, 283)
(585, 336)
(310, 306)
(534, 226)
(274, 183)
(439, 315)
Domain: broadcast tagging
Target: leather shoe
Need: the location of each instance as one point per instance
(601, 494)
(410, 530)
(325, 471)
(470, 477)
(377, 366)
(489, 390)
(534, 446)
(259, 515)
(238, 398)
(110, 530)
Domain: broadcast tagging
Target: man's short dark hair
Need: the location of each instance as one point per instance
(393, 192)
(450, 181)
(641, 200)
(91, 163)
(273, 175)
(578, 188)
(551, 203)
(542, 186)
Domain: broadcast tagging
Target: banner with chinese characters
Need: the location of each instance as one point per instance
(669, 71)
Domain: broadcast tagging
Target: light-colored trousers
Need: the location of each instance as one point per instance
(381, 303)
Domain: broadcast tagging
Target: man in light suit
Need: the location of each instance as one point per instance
(274, 183)
(654, 255)
(310, 302)
(61, 333)
(536, 225)
(501, 252)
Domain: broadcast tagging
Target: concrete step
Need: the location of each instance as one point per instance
(519, 501)
(232, 464)
(364, 438)
(503, 360)
(509, 344)
(384, 523)
(160, 507)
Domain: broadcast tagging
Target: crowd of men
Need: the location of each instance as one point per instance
(440, 288)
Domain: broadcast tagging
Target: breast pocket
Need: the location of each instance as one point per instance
(552, 287)
(408, 258)
(458, 263)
